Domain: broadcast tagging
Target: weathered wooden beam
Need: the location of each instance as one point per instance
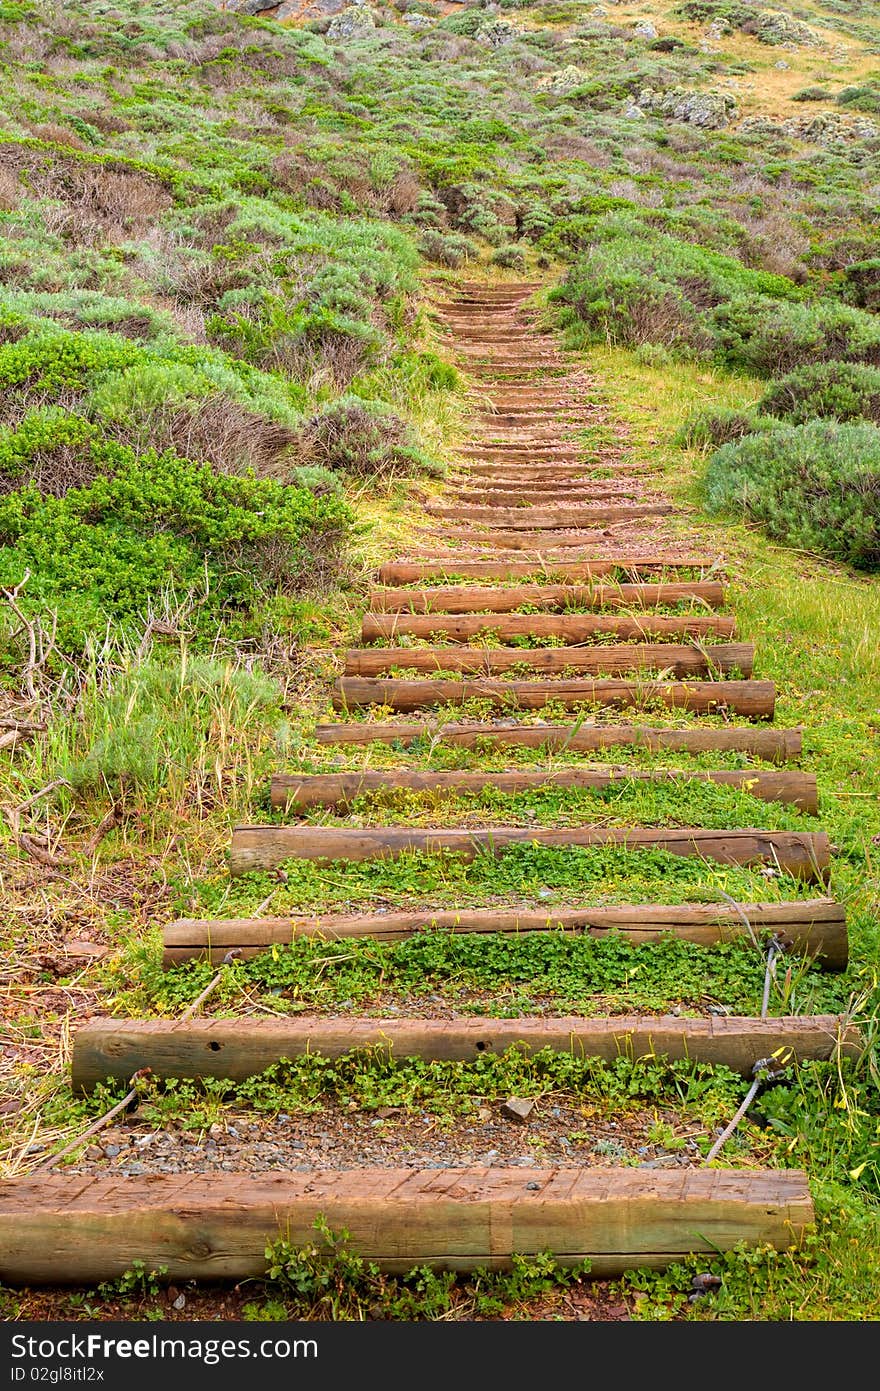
(754, 699)
(536, 518)
(522, 495)
(618, 659)
(81, 1229)
(571, 628)
(547, 597)
(235, 1049)
(298, 791)
(469, 566)
(774, 745)
(803, 854)
(547, 541)
(815, 928)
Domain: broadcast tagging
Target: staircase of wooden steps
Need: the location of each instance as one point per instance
(560, 581)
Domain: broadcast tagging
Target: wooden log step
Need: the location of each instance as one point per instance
(532, 518)
(815, 928)
(571, 628)
(473, 567)
(513, 489)
(530, 469)
(235, 1049)
(674, 659)
(753, 699)
(78, 1229)
(297, 791)
(774, 745)
(546, 541)
(802, 854)
(521, 497)
(547, 597)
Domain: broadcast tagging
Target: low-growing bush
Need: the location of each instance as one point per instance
(863, 98)
(863, 282)
(357, 438)
(447, 248)
(129, 527)
(767, 336)
(812, 94)
(839, 390)
(709, 429)
(510, 257)
(815, 486)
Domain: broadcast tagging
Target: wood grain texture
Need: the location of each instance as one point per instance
(74, 1229)
(754, 699)
(235, 1049)
(803, 854)
(298, 791)
(617, 659)
(548, 597)
(814, 927)
(569, 627)
(774, 745)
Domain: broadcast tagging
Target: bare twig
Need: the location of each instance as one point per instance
(99, 1124)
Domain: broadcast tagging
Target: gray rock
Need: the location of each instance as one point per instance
(563, 81)
(778, 27)
(633, 112)
(711, 110)
(419, 21)
(519, 1108)
(645, 29)
(251, 6)
(356, 22)
(497, 32)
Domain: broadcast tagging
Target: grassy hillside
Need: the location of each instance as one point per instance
(225, 392)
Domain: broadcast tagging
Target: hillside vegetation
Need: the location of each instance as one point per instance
(224, 393)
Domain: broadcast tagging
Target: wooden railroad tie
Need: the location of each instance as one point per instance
(802, 854)
(534, 518)
(544, 597)
(754, 699)
(774, 745)
(298, 791)
(618, 659)
(470, 566)
(236, 1049)
(815, 928)
(570, 628)
(81, 1229)
(547, 541)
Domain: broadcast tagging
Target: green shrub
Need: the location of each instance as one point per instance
(815, 486)
(767, 336)
(864, 98)
(511, 257)
(358, 438)
(839, 390)
(863, 281)
(812, 94)
(709, 429)
(105, 532)
(447, 248)
(633, 285)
